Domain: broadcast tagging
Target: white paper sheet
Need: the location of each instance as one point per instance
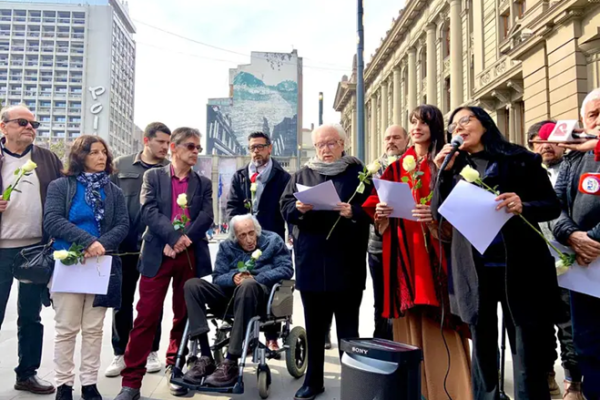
(472, 211)
(321, 197)
(579, 279)
(398, 196)
(89, 278)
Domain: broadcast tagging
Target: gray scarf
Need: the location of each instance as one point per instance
(332, 168)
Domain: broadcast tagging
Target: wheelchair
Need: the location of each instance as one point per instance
(280, 308)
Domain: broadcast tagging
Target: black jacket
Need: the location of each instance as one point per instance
(567, 188)
(115, 226)
(129, 176)
(268, 215)
(337, 264)
(156, 201)
(529, 263)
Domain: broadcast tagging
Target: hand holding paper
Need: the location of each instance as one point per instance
(398, 197)
(321, 197)
(89, 278)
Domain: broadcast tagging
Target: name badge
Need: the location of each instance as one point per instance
(590, 184)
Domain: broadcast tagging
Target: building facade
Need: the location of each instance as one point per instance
(522, 60)
(266, 96)
(73, 64)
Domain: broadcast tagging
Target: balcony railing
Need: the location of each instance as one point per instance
(49, 20)
(77, 35)
(60, 110)
(36, 20)
(33, 49)
(31, 78)
(18, 48)
(16, 63)
(63, 35)
(75, 95)
(62, 50)
(45, 94)
(45, 110)
(78, 21)
(74, 125)
(64, 20)
(5, 18)
(4, 34)
(77, 66)
(48, 49)
(30, 94)
(33, 34)
(48, 34)
(74, 110)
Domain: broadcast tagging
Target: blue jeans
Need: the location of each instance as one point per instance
(585, 312)
(29, 306)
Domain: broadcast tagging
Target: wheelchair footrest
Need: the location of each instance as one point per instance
(238, 388)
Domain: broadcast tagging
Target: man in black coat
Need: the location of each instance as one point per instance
(270, 181)
(256, 189)
(177, 210)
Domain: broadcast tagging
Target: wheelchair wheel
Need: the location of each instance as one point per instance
(219, 354)
(263, 384)
(296, 356)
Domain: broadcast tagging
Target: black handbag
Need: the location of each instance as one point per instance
(35, 264)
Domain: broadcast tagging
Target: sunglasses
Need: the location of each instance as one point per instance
(192, 147)
(24, 122)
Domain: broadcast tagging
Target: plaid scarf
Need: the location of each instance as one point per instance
(93, 184)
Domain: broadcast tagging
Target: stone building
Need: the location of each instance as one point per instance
(521, 60)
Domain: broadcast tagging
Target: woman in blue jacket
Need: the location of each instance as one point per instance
(85, 208)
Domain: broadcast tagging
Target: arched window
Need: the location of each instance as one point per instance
(447, 40)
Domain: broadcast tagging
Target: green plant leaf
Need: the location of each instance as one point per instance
(360, 188)
(423, 200)
(7, 193)
(404, 179)
(240, 265)
(420, 173)
(17, 171)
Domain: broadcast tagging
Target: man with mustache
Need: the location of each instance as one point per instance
(552, 157)
(129, 176)
(578, 228)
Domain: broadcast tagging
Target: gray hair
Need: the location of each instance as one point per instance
(592, 96)
(239, 218)
(339, 129)
(5, 112)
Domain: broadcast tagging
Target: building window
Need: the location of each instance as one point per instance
(447, 98)
(521, 8)
(505, 25)
(447, 41)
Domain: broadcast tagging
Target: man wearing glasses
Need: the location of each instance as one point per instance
(21, 227)
(168, 253)
(269, 179)
(129, 177)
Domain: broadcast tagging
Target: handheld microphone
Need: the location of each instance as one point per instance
(456, 142)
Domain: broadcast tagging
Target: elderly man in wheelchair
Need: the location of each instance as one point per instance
(248, 265)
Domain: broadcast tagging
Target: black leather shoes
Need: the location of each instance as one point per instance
(35, 385)
(308, 393)
(64, 392)
(90, 392)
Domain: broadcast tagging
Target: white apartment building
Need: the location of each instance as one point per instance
(72, 62)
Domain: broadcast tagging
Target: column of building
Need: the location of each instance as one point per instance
(373, 133)
(456, 56)
(397, 97)
(431, 65)
(384, 117)
(412, 80)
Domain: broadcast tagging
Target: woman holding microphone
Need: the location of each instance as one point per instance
(517, 260)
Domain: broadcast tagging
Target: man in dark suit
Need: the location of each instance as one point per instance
(256, 189)
(171, 196)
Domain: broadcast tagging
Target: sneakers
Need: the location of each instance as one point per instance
(64, 392)
(175, 390)
(573, 391)
(553, 386)
(90, 392)
(226, 374)
(128, 393)
(116, 366)
(203, 367)
(153, 363)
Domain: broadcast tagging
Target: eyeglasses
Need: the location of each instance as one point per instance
(191, 146)
(24, 122)
(464, 121)
(331, 144)
(259, 147)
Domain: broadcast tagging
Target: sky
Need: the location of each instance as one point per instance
(187, 59)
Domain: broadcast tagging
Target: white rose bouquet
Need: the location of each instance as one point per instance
(248, 266)
(25, 170)
(471, 175)
(70, 257)
(364, 177)
(182, 220)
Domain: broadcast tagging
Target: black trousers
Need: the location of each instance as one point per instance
(123, 317)
(383, 326)
(529, 344)
(568, 354)
(249, 300)
(319, 308)
(586, 328)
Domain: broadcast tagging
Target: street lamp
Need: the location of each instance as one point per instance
(320, 108)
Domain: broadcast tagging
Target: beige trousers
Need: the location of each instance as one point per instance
(75, 313)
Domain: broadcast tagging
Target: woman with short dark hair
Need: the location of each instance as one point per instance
(517, 260)
(85, 208)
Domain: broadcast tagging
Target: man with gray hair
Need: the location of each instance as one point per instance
(248, 264)
(21, 227)
(579, 227)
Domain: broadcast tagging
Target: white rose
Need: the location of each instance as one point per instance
(561, 268)
(374, 167)
(409, 163)
(60, 255)
(182, 200)
(29, 166)
(253, 187)
(469, 174)
(256, 254)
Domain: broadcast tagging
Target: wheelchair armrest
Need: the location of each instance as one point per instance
(287, 283)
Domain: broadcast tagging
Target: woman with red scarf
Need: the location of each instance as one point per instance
(415, 284)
